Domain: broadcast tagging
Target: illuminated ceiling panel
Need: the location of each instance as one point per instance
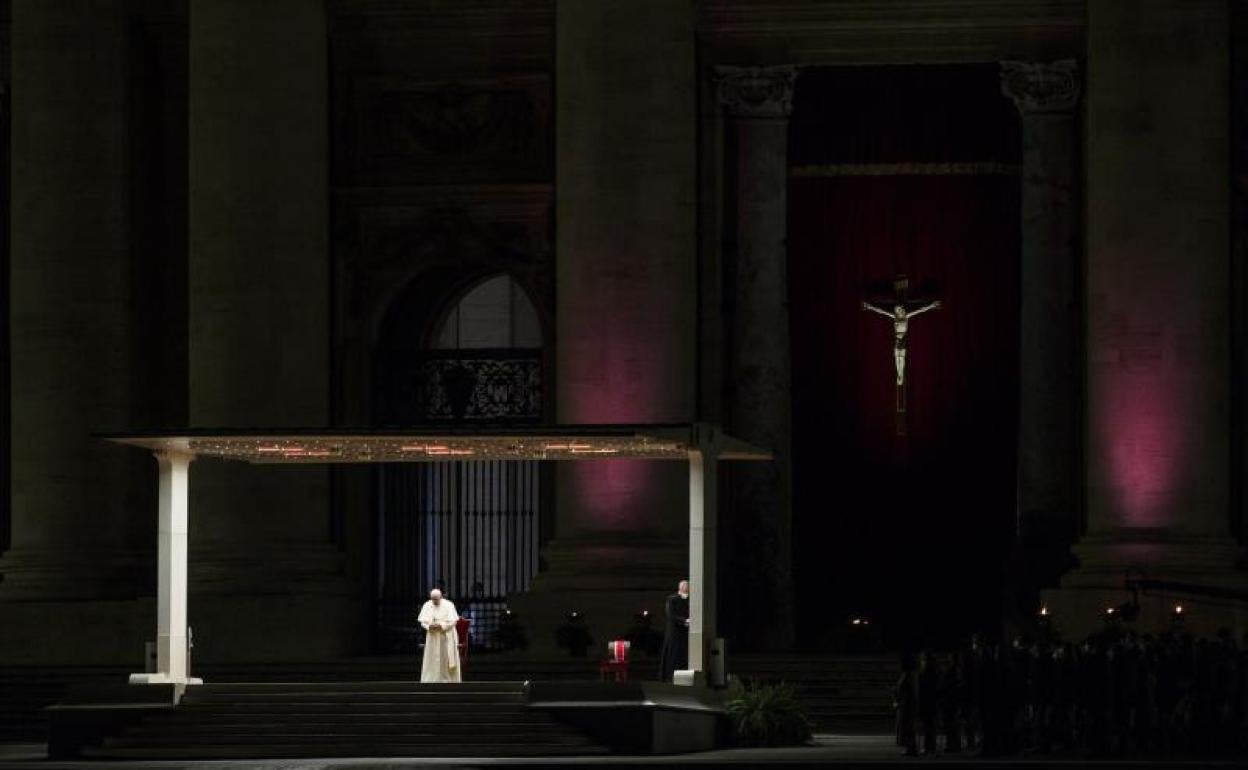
(560, 442)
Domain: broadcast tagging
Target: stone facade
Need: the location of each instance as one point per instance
(212, 204)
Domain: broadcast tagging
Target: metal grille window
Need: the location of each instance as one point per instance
(470, 528)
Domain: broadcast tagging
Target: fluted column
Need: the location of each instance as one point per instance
(259, 291)
(1157, 349)
(625, 252)
(80, 509)
(1046, 95)
(758, 101)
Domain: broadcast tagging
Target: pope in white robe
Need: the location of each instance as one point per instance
(438, 617)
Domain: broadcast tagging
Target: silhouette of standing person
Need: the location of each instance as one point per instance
(675, 653)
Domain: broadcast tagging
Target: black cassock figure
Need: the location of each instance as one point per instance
(675, 654)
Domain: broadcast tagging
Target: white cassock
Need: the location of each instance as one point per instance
(441, 663)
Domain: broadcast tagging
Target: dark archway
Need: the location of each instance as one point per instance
(457, 348)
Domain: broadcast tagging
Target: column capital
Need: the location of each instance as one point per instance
(756, 92)
(1041, 87)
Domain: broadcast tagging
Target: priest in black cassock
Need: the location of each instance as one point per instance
(675, 654)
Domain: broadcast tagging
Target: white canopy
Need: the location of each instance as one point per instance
(557, 442)
(700, 444)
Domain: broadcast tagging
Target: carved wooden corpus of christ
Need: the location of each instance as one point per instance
(901, 316)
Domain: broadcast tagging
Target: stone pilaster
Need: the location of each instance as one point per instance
(626, 229)
(1049, 489)
(1157, 350)
(758, 101)
(259, 292)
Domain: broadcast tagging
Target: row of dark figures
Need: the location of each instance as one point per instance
(1114, 693)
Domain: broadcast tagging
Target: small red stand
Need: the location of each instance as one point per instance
(616, 664)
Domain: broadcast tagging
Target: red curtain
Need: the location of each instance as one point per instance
(903, 170)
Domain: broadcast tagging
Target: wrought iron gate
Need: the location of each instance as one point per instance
(470, 528)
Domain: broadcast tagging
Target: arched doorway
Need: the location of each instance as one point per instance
(470, 528)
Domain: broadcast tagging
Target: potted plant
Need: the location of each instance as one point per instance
(768, 714)
(510, 634)
(573, 636)
(642, 635)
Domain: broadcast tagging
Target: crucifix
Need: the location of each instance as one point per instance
(900, 316)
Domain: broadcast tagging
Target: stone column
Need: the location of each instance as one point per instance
(1239, 258)
(1158, 405)
(626, 249)
(758, 100)
(83, 513)
(1049, 504)
(259, 293)
(72, 521)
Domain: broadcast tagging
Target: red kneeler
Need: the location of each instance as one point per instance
(616, 664)
(461, 631)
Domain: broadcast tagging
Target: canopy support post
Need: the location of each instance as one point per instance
(703, 549)
(171, 652)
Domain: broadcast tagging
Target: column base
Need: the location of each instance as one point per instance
(1111, 563)
(608, 582)
(608, 615)
(265, 568)
(42, 574)
(76, 633)
(277, 628)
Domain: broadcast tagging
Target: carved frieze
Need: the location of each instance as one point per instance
(405, 132)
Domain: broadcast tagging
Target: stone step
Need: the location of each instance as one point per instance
(397, 697)
(331, 707)
(302, 719)
(190, 717)
(394, 685)
(358, 749)
(388, 727)
(337, 736)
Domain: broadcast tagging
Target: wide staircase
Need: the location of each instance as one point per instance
(348, 719)
(848, 695)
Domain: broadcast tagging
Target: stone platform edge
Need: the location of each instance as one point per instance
(637, 717)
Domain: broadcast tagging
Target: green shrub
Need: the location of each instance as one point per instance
(768, 714)
(510, 635)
